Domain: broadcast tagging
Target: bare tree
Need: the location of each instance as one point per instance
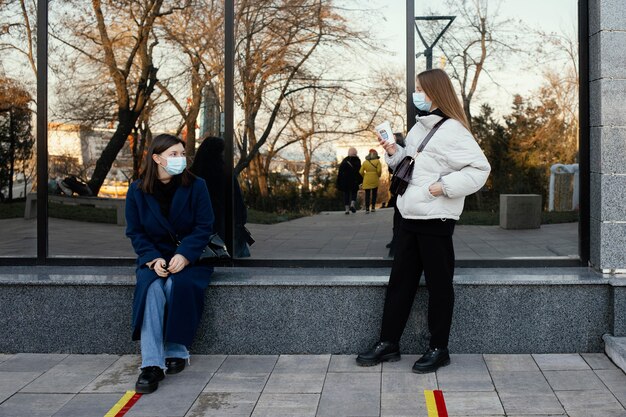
(17, 31)
(479, 37)
(118, 35)
(274, 42)
(197, 34)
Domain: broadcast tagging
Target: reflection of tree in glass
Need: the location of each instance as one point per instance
(478, 38)
(275, 42)
(16, 139)
(116, 41)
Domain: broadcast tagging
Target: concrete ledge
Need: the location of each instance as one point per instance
(272, 310)
(615, 348)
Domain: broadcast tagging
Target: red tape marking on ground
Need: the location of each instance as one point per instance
(441, 404)
(130, 404)
(123, 405)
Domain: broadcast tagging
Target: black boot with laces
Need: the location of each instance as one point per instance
(432, 360)
(380, 352)
(148, 380)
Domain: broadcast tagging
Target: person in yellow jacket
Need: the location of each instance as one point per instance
(371, 171)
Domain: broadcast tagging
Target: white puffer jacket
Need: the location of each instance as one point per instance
(453, 157)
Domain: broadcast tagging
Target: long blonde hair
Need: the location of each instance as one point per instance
(438, 87)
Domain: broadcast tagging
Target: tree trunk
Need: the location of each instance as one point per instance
(190, 122)
(259, 178)
(306, 186)
(11, 151)
(126, 123)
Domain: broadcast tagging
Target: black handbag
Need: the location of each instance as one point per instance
(404, 171)
(216, 249)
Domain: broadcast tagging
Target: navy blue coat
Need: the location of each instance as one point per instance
(190, 221)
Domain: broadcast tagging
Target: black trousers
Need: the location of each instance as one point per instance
(416, 253)
(349, 196)
(374, 193)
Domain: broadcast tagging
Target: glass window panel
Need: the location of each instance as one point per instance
(337, 71)
(110, 95)
(520, 94)
(303, 101)
(18, 91)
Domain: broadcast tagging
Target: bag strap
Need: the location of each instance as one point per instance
(430, 135)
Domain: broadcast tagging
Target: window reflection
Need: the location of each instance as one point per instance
(17, 130)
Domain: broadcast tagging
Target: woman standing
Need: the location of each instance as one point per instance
(450, 167)
(169, 222)
(371, 171)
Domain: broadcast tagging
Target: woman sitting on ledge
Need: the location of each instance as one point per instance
(169, 222)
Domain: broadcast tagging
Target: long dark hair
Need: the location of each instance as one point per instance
(150, 172)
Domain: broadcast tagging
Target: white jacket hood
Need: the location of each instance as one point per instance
(453, 157)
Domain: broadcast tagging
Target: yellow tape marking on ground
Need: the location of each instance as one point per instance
(431, 405)
(120, 404)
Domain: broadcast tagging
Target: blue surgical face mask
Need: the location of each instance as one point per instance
(419, 99)
(175, 165)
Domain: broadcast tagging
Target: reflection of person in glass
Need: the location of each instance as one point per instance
(450, 167)
(371, 171)
(208, 164)
(169, 221)
(349, 179)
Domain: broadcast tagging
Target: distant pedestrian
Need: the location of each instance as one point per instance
(169, 222)
(349, 179)
(447, 168)
(371, 171)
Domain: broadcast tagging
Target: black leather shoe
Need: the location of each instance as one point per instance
(432, 360)
(174, 365)
(148, 380)
(380, 352)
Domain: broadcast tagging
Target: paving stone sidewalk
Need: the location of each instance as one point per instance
(575, 385)
(324, 235)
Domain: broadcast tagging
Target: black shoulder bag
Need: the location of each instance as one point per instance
(215, 249)
(404, 171)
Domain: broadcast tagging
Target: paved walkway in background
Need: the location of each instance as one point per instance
(325, 235)
(586, 385)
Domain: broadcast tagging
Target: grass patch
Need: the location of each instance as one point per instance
(488, 218)
(15, 209)
(82, 213)
(264, 217)
(12, 210)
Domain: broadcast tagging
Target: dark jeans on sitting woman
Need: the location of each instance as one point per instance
(374, 194)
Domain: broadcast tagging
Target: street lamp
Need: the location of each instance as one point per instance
(428, 52)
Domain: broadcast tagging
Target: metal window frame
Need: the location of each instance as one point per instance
(42, 257)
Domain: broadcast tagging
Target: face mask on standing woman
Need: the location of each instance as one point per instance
(419, 99)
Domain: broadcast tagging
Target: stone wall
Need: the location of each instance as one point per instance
(607, 76)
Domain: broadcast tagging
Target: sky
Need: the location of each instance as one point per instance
(514, 77)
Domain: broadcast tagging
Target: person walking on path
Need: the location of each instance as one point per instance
(169, 222)
(371, 171)
(349, 179)
(450, 167)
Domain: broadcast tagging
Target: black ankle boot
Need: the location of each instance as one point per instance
(174, 365)
(380, 352)
(148, 380)
(432, 360)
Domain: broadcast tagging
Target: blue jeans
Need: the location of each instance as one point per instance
(153, 349)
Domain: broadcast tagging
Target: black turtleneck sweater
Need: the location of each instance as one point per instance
(164, 194)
